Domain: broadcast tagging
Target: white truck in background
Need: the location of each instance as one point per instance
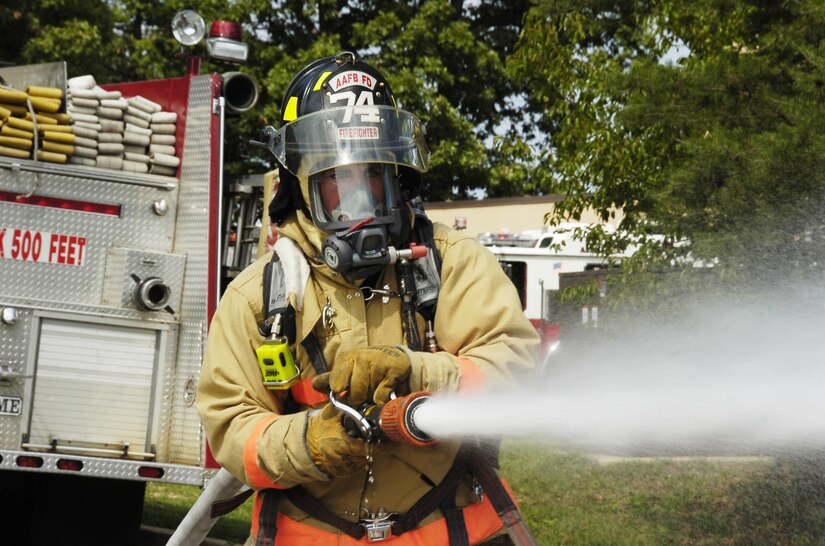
(534, 259)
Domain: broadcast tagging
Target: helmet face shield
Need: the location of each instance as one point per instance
(352, 134)
(343, 196)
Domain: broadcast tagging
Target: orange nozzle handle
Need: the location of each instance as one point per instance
(396, 420)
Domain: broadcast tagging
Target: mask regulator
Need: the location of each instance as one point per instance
(363, 249)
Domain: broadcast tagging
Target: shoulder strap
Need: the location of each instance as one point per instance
(419, 283)
(315, 352)
(428, 269)
(288, 272)
(275, 300)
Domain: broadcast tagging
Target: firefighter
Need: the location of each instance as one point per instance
(338, 291)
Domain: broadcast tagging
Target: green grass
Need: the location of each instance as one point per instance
(165, 505)
(571, 499)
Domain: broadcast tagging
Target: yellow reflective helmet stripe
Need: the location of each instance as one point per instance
(321, 81)
(291, 110)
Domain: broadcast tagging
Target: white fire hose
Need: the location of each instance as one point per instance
(196, 525)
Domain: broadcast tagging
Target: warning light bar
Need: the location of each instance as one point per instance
(60, 203)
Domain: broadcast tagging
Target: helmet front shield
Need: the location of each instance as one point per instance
(352, 134)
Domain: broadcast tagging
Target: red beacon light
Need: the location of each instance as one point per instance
(225, 29)
(224, 42)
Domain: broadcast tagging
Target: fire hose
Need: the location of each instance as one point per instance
(197, 523)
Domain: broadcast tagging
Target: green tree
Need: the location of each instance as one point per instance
(722, 148)
(445, 60)
(85, 34)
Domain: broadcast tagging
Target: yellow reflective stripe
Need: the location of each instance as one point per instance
(321, 81)
(291, 110)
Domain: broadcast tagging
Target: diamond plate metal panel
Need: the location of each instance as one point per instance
(107, 468)
(191, 239)
(127, 267)
(14, 346)
(137, 226)
(166, 396)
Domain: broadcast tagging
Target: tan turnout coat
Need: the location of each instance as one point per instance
(481, 331)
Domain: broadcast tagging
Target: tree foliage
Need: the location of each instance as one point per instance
(445, 61)
(722, 148)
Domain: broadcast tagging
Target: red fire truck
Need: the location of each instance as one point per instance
(108, 279)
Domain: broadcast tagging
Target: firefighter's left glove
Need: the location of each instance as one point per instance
(333, 451)
(370, 374)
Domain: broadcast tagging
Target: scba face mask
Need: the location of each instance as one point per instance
(357, 206)
(343, 196)
(358, 202)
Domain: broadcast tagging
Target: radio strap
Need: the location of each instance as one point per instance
(282, 276)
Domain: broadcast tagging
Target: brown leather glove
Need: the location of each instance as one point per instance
(371, 374)
(334, 452)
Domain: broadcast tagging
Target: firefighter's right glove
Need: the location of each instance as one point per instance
(333, 451)
(370, 374)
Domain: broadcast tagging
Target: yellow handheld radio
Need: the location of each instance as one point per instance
(276, 360)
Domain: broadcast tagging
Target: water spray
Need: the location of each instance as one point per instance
(744, 379)
(394, 421)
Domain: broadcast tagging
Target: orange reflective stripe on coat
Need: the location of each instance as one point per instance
(472, 380)
(254, 475)
(303, 393)
(481, 520)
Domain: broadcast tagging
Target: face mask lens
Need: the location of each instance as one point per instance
(351, 192)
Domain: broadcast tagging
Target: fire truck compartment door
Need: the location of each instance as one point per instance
(95, 386)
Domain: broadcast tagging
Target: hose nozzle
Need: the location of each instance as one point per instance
(394, 421)
(397, 420)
